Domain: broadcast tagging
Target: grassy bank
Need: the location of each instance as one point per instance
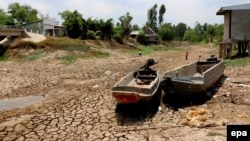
(76, 49)
(149, 49)
(20, 50)
(238, 61)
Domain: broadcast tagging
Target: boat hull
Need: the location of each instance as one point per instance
(194, 78)
(127, 91)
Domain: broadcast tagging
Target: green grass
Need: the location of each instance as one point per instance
(3, 58)
(69, 58)
(149, 49)
(36, 55)
(75, 48)
(66, 44)
(100, 54)
(215, 134)
(238, 61)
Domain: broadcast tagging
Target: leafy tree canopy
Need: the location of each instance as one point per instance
(4, 18)
(74, 23)
(22, 13)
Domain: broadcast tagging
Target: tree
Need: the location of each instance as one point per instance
(199, 32)
(22, 13)
(161, 13)
(152, 18)
(118, 34)
(4, 18)
(166, 32)
(125, 21)
(141, 38)
(135, 27)
(106, 29)
(74, 23)
(180, 30)
(189, 35)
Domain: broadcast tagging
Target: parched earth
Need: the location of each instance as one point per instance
(48, 99)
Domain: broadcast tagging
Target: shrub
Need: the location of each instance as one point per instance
(141, 38)
(118, 38)
(91, 35)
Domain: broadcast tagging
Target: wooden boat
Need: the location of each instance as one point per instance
(193, 78)
(139, 85)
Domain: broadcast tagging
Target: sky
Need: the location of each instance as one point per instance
(185, 11)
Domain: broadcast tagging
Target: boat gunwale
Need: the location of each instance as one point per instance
(188, 78)
(181, 81)
(156, 82)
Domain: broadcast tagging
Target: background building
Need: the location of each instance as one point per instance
(236, 29)
(47, 27)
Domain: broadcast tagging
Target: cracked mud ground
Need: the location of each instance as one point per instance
(74, 101)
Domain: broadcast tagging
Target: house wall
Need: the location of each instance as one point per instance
(48, 30)
(45, 27)
(240, 25)
(226, 37)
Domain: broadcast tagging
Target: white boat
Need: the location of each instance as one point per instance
(193, 78)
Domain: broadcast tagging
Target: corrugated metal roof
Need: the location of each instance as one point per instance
(222, 10)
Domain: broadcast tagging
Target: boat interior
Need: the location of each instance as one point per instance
(145, 76)
(192, 70)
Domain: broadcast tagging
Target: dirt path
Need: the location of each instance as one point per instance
(77, 103)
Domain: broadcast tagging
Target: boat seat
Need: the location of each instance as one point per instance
(146, 76)
(145, 79)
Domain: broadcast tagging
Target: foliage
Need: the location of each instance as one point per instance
(180, 31)
(22, 13)
(135, 27)
(118, 34)
(202, 33)
(5, 19)
(152, 21)
(161, 14)
(107, 29)
(166, 32)
(152, 18)
(74, 23)
(91, 35)
(125, 23)
(141, 38)
(190, 35)
(86, 29)
(118, 38)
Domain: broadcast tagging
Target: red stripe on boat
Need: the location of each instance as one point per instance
(126, 98)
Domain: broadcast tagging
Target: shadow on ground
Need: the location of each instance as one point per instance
(137, 114)
(176, 101)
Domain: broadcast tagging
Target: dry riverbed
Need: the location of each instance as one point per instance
(48, 99)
